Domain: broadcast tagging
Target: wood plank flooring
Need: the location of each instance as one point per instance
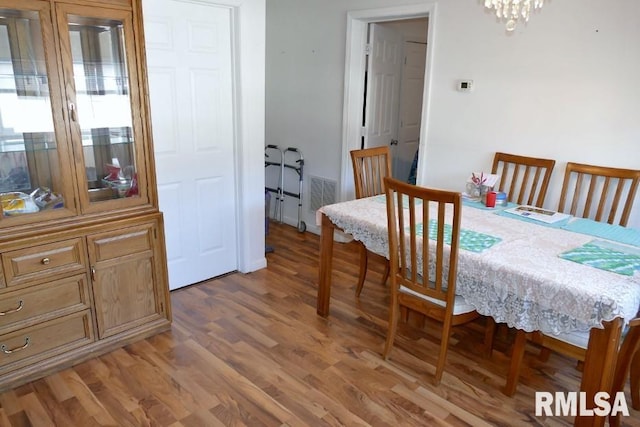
(250, 350)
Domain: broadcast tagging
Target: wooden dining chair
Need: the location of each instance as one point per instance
(574, 345)
(525, 180)
(423, 271)
(370, 167)
(606, 189)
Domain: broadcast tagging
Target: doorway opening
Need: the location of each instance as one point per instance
(383, 106)
(393, 90)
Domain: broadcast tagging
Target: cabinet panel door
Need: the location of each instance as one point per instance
(102, 89)
(125, 283)
(33, 138)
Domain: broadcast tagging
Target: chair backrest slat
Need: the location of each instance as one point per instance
(440, 249)
(531, 186)
(425, 248)
(370, 167)
(608, 190)
(416, 262)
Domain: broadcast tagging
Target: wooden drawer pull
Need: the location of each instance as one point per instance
(26, 344)
(45, 261)
(13, 310)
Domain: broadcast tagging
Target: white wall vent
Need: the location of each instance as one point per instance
(322, 192)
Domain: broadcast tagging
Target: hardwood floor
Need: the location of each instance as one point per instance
(250, 350)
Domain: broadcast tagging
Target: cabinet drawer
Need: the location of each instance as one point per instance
(42, 261)
(44, 340)
(39, 303)
(120, 243)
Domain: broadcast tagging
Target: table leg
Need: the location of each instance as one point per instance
(517, 356)
(326, 257)
(599, 367)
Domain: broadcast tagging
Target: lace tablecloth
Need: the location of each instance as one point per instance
(520, 280)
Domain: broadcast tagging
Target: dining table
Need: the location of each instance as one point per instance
(571, 276)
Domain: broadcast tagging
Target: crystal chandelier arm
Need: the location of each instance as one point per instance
(513, 10)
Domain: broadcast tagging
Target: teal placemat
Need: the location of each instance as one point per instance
(469, 240)
(605, 256)
(558, 224)
(617, 233)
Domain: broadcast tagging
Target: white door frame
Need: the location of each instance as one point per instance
(355, 65)
(249, 62)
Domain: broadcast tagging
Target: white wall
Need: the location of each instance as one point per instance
(558, 88)
(563, 86)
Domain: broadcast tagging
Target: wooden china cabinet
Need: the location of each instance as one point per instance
(82, 251)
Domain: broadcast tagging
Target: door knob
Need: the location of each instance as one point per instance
(394, 142)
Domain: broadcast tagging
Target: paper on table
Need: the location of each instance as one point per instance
(538, 214)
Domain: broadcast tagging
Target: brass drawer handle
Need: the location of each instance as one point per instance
(26, 344)
(45, 261)
(13, 310)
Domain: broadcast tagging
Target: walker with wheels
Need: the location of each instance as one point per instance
(291, 164)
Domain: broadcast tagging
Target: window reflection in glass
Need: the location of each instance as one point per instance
(30, 179)
(104, 106)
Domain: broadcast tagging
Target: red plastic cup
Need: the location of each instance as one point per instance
(491, 199)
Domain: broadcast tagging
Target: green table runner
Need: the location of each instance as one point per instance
(469, 240)
(605, 256)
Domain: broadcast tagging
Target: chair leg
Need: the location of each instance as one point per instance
(394, 309)
(363, 269)
(387, 270)
(628, 360)
(444, 346)
(489, 334)
(404, 312)
(517, 356)
(635, 381)
(544, 354)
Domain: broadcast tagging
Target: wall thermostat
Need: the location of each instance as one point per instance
(465, 85)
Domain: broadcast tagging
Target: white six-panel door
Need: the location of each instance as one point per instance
(410, 115)
(383, 86)
(191, 93)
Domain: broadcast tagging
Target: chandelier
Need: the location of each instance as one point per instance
(513, 10)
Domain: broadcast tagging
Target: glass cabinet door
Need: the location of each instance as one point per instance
(32, 160)
(104, 105)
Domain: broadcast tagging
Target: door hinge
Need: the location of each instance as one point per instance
(367, 49)
(363, 131)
